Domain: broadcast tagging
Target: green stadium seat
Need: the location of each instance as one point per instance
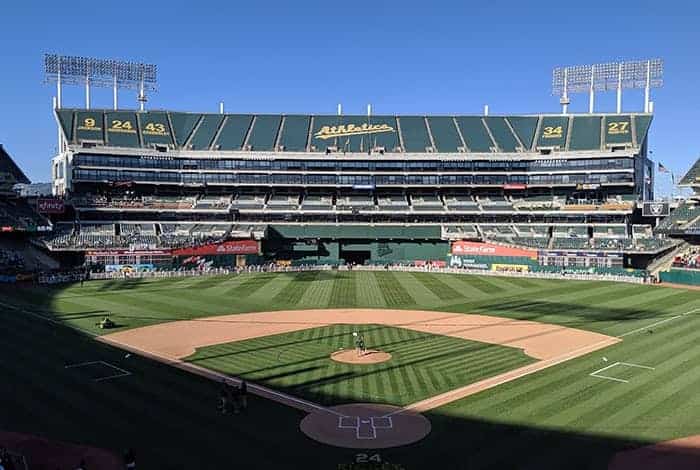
(444, 133)
(524, 127)
(505, 140)
(155, 128)
(414, 134)
(618, 130)
(585, 133)
(475, 134)
(264, 132)
(205, 132)
(183, 124)
(233, 132)
(294, 133)
(552, 133)
(531, 242)
(121, 129)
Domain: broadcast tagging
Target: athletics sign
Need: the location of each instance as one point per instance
(329, 132)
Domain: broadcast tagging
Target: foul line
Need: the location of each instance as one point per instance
(482, 385)
(424, 405)
(661, 322)
(122, 372)
(260, 390)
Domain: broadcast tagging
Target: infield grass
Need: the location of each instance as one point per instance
(422, 364)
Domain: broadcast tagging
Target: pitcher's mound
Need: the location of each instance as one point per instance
(365, 426)
(350, 356)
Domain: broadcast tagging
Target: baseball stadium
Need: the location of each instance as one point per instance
(222, 290)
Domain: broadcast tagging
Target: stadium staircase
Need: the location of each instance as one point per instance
(664, 262)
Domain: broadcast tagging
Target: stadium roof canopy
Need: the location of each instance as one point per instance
(10, 173)
(322, 133)
(692, 178)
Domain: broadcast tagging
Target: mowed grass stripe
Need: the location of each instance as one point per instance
(617, 398)
(420, 293)
(369, 294)
(441, 290)
(564, 384)
(343, 292)
(318, 293)
(480, 283)
(250, 284)
(393, 292)
(292, 293)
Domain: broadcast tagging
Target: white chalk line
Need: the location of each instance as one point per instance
(280, 397)
(660, 322)
(598, 374)
(122, 372)
(283, 396)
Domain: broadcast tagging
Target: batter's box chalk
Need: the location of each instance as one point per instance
(365, 430)
(382, 422)
(352, 422)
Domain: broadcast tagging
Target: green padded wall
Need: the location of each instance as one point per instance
(65, 118)
(204, 134)
(294, 133)
(155, 128)
(89, 125)
(183, 123)
(681, 276)
(553, 131)
(475, 135)
(121, 129)
(233, 132)
(502, 134)
(585, 133)
(641, 127)
(618, 130)
(414, 133)
(444, 133)
(525, 127)
(264, 132)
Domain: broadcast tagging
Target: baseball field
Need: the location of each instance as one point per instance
(461, 371)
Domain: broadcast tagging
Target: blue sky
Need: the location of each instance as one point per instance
(306, 56)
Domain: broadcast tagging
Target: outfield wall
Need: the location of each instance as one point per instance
(681, 276)
(582, 276)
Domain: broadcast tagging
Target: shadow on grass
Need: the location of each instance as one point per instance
(170, 418)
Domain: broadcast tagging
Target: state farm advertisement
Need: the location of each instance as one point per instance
(231, 247)
(488, 249)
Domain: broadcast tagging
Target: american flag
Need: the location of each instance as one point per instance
(663, 169)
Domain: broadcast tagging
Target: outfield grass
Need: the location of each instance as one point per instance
(557, 418)
(422, 364)
(605, 307)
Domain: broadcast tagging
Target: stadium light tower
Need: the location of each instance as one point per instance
(104, 73)
(616, 76)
